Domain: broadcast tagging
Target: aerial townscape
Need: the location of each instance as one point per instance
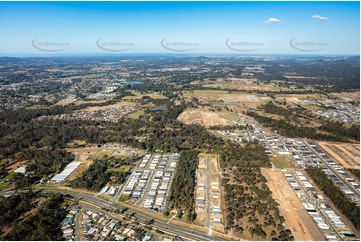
(179, 146)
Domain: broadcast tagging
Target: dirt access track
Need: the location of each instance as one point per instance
(296, 217)
(346, 154)
(201, 117)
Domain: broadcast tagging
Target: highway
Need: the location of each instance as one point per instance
(163, 226)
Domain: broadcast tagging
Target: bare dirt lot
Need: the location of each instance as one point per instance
(202, 117)
(296, 217)
(346, 154)
(304, 98)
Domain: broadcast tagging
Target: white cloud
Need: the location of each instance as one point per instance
(272, 20)
(321, 18)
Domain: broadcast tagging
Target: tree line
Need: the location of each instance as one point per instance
(98, 174)
(338, 129)
(182, 190)
(250, 208)
(285, 128)
(13, 206)
(339, 198)
(44, 225)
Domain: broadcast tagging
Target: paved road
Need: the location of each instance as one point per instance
(77, 224)
(163, 226)
(208, 195)
(335, 172)
(90, 207)
(122, 186)
(146, 189)
(313, 200)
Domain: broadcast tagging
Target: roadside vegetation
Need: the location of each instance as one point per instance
(44, 225)
(12, 207)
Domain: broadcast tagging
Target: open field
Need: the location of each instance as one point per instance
(240, 99)
(37, 107)
(237, 83)
(67, 101)
(348, 96)
(251, 84)
(234, 97)
(115, 105)
(89, 101)
(282, 161)
(121, 169)
(94, 152)
(346, 154)
(138, 95)
(311, 107)
(88, 154)
(201, 117)
(296, 217)
(245, 98)
(304, 98)
(136, 114)
(203, 94)
(221, 85)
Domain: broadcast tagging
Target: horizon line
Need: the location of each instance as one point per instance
(174, 54)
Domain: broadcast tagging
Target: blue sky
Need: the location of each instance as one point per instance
(187, 27)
